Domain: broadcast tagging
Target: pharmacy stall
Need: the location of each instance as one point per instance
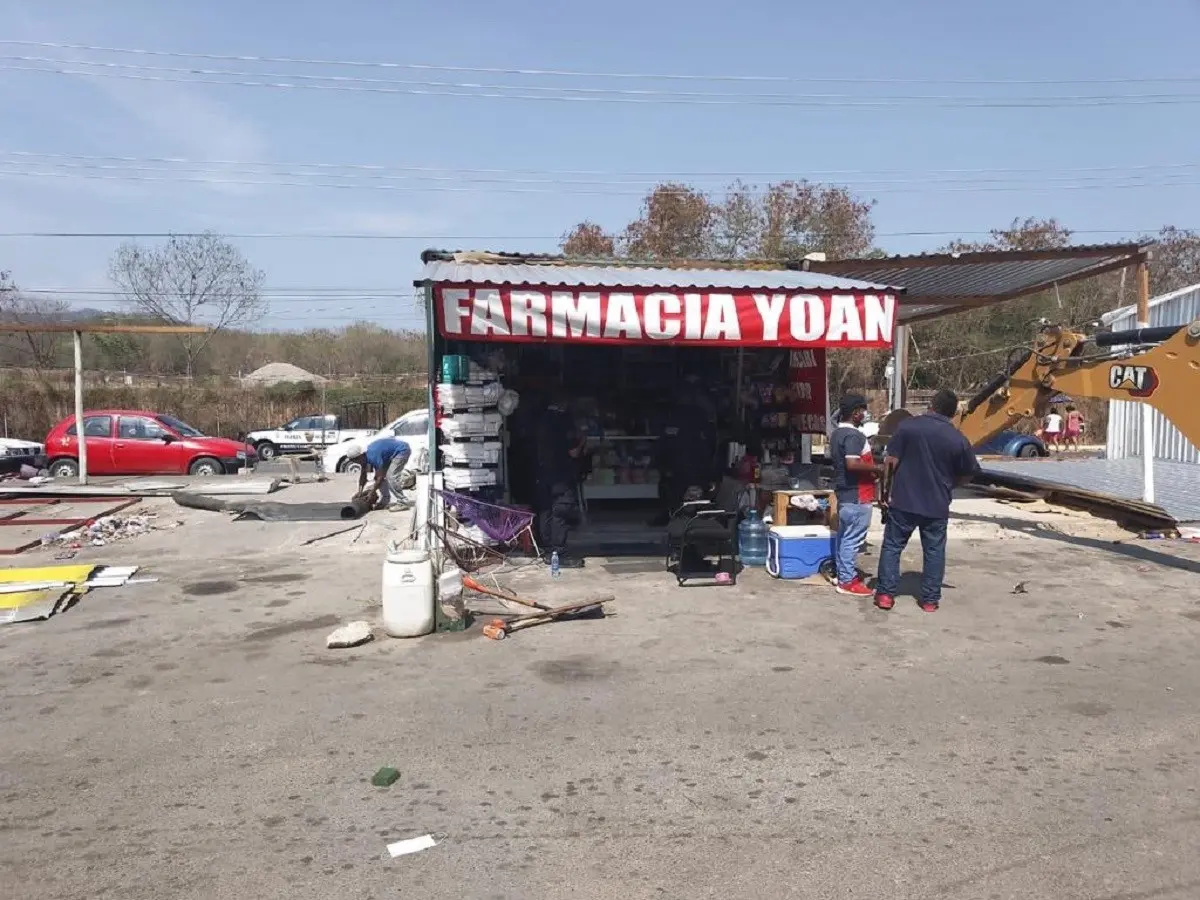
(626, 345)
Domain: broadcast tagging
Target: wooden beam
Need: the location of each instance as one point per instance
(1143, 294)
(59, 328)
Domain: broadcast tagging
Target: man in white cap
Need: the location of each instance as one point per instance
(386, 457)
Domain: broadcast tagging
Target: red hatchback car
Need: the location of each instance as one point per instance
(130, 442)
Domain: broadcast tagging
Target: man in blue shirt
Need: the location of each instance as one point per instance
(854, 474)
(930, 457)
(386, 457)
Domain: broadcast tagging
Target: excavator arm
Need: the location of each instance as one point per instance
(1158, 366)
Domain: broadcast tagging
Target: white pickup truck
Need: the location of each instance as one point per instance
(302, 435)
(412, 428)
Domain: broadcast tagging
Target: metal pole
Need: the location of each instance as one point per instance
(1143, 314)
(80, 437)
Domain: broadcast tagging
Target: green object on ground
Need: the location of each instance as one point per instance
(385, 777)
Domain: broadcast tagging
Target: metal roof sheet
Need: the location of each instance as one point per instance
(930, 285)
(1176, 485)
(932, 282)
(455, 272)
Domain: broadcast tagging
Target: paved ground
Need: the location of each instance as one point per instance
(194, 739)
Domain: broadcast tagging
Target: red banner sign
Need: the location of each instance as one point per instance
(808, 374)
(643, 315)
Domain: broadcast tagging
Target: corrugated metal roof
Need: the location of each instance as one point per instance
(981, 277)
(1124, 416)
(628, 276)
(931, 283)
(1182, 306)
(1176, 484)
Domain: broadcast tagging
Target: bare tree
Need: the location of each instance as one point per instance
(197, 280)
(38, 350)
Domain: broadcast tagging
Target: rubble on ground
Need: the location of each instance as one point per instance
(108, 530)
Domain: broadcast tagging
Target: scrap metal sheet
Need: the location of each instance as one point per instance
(24, 606)
(1176, 484)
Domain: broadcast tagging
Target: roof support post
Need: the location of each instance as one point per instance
(1143, 317)
(80, 435)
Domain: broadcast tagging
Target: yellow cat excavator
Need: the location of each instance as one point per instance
(1159, 366)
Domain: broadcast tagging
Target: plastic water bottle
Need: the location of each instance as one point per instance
(752, 540)
(555, 566)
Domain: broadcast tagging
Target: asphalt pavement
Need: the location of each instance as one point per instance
(194, 738)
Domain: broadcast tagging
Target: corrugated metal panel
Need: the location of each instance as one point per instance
(970, 279)
(1125, 417)
(1176, 487)
(451, 272)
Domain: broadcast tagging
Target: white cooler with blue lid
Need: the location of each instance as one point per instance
(797, 551)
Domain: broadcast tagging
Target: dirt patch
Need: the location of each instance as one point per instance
(1053, 660)
(209, 588)
(572, 669)
(273, 632)
(280, 578)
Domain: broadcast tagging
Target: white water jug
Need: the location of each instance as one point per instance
(407, 593)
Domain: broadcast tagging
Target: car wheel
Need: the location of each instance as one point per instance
(350, 467)
(206, 466)
(266, 451)
(64, 468)
(1028, 451)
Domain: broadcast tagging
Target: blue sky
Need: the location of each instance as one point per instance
(891, 153)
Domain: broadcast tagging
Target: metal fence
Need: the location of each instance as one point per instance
(1125, 417)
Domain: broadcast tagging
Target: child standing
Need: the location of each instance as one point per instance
(1052, 428)
(1074, 428)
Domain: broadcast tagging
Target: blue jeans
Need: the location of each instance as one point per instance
(853, 521)
(899, 528)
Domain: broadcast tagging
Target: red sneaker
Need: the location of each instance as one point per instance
(885, 601)
(854, 588)
(928, 605)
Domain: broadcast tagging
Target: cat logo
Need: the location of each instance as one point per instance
(1137, 381)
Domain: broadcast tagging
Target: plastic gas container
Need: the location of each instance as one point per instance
(797, 551)
(752, 540)
(407, 593)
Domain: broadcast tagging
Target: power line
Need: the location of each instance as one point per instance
(569, 73)
(917, 186)
(1166, 176)
(596, 93)
(659, 175)
(576, 95)
(300, 235)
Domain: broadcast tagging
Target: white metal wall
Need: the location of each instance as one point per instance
(1124, 416)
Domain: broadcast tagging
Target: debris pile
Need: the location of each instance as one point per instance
(107, 530)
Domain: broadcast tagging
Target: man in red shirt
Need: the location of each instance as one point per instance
(854, 474)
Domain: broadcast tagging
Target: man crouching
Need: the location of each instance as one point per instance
(386, 457)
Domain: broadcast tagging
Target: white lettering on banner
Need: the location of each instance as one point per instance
(802, 359)
(529, 313)
(722, 323)
(487, 313)
(810, 423)
(844, 324)
(454, 308)
(770, 310)
(807, 315)
(622, 320)
(658, 305)
(691, 316)
(524, 313)
(878, 315)
(575, 316)
(803, 390)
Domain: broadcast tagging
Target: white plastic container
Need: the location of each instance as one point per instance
(407, 593)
